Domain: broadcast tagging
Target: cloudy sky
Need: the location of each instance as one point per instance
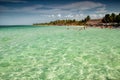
(25, 12)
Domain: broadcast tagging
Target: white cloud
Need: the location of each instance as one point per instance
(101, 10)
(69, 16)
(59, 15)
(95, 16)
(81, 14)
(51, 12)
(51, 16)
(110, 12)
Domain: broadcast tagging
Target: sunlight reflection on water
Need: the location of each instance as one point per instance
(58, 53)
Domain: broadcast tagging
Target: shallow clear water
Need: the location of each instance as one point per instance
(55, 53)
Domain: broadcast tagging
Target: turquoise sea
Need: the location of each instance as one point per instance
(55, 53)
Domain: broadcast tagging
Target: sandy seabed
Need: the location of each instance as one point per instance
(55, 53)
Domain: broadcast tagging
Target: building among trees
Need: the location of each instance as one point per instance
(94, 22)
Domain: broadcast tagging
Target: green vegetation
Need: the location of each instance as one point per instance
(55, 53)
(87, 18)
(112, 19)
(66, 22)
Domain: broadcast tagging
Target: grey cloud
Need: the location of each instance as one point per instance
(14, 1)
(71, 11)
(101, 10)
(83, 5)
(73, 7)
(3, 8)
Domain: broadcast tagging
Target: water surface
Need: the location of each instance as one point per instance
(55, 53)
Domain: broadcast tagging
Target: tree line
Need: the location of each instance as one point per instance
(113, 19)
(66, 22)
